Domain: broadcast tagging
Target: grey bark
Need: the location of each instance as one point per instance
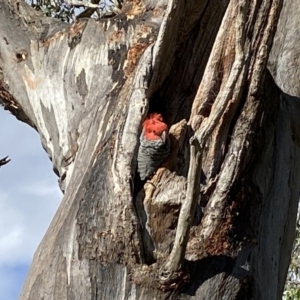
(86, 87)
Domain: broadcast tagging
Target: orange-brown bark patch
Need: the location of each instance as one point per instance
(137, 8)
(133, 56)
(115, 36)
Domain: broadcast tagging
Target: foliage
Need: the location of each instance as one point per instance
(54, 8)
(65, 11)
(292, 286)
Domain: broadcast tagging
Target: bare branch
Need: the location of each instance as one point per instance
(81, 3)
(4, 161)
(186, 215)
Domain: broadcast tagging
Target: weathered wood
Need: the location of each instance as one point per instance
(86, 88)
(174, 264)
(243, 64)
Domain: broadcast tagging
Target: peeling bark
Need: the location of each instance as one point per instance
(220, 231)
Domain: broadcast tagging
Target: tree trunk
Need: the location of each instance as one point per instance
(217, 220)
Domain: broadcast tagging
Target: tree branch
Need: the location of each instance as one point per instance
(81, 3)
(4, 161)
(187, 212)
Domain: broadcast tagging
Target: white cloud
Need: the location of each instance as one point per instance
(40, 189)
(25, 214)
(29, 197)
(11, 230)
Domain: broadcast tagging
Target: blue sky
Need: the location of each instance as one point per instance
(29, 197)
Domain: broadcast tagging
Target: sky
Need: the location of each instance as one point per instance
(29, 197)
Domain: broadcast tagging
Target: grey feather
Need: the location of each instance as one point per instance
(152, 154)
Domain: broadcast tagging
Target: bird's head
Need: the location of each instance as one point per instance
(154, 127)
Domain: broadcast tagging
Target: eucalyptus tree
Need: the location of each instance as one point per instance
(217, 220)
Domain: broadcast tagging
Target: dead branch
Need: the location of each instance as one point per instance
(4, 161)
(81, 3)
(174, 261)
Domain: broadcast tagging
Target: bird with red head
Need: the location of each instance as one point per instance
(154, 145)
